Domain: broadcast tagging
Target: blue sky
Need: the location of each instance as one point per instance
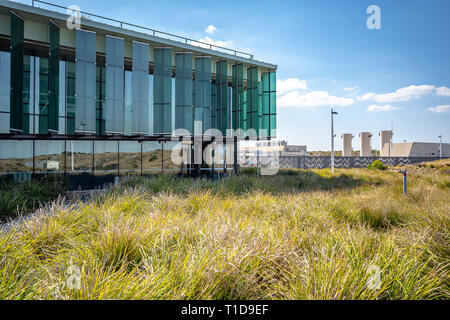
(326, 55)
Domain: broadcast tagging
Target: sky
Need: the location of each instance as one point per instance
(396, 76)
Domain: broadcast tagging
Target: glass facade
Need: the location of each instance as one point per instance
(82, 91)
(184, 117)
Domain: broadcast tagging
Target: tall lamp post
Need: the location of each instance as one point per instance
(440, 146)
(332, 139)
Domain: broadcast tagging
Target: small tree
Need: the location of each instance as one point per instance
(377, 165)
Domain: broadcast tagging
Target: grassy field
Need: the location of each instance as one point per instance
(297, 235)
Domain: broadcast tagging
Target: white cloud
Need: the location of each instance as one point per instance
(440, 109)
(352, 92)
(210, 29)
(402, 94)
(290, 84)
(351, 88)
(377, 108)
(443, 91)
(208, 40)
(311, 99)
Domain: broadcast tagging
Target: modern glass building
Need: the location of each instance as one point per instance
(106, 98)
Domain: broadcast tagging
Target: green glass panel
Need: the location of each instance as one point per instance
(213, 104)
(183, 92)
(252, 101)
(5, 86)
(238, 97)
(43, 95)
(100, 79)
(162, 91)
(70, 97)
(53, 79)
(269, 102)
(26, 95)
(17, 72)
(222, 96)
(203, 92)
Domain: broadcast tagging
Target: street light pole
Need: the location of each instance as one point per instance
(332, 140)
(440, 147)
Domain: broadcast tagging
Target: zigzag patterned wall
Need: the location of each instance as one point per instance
(320, 162)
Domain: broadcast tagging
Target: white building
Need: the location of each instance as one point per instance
(419, 149)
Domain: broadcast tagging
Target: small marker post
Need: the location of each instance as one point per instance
(404, 181)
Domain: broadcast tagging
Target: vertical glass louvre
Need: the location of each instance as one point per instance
(238, 97)
(213, 105)
(17, 116)
(139, 109)
(222, 96)
(183, 92)
(41, 65)
(85, 82)
(70, 97)
(252, 99)
(269, 103)
(53, 79)
(114, 101)
(100, 84)
(5, 85)
(162, 91)
(202, 92)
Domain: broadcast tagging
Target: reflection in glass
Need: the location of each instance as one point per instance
(130, 157)
(151, 156)
(79, 156)
(49, 156)
(16, 156)
(106, 160)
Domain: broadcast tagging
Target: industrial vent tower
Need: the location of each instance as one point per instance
(366, 145)
(347, 150)
(385, 143)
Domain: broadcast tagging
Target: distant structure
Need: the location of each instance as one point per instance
(292, 150)
(419, 149)
(347, 150)
(386, 143)
(366, 144)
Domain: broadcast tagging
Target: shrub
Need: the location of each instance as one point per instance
(377, 165)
